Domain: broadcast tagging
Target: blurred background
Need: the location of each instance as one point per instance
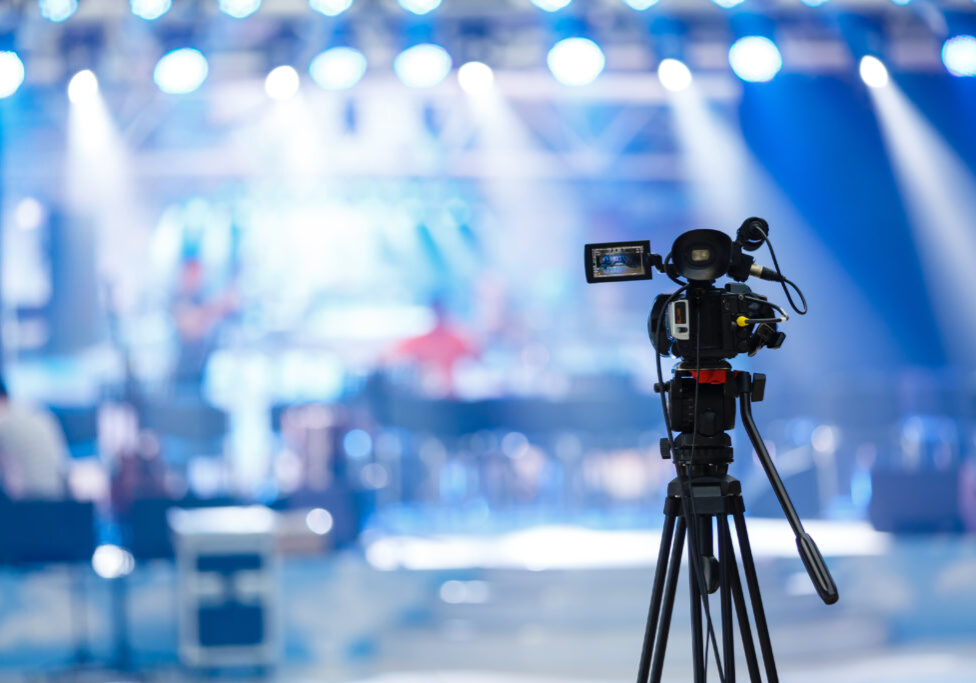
(303, 379)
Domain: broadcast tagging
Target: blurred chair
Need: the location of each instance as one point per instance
(38, 533)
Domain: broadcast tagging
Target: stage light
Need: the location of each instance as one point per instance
(57, 10)
(419, 6)
(814, 3)
(422, 66)
(640, 5)
(330, 8)
(150, 9)
(239, 8)
(83, 87)
(181, 71)
(873, 72)
(112, 562)
(476, 78)
(576, 61)
(674, 75)
(959, 55)
(29, 214)
(319, 521)
(726, 4)
(282, 82)
(338, 68)
(755, 59)
(551, 5)
(11, 73)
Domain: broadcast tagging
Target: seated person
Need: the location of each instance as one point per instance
(33, 451)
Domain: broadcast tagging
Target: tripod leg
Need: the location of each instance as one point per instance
(671, 584)
(657, 593)
(697, 643)
(745, 629)
(725, 559)
(752, 581)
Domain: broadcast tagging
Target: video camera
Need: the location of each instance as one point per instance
(699, 321)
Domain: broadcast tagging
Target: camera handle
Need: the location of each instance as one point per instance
(753, 387)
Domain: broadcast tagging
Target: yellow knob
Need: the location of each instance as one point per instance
(742, 321)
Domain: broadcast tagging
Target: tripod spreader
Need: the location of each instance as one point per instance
(809, 553)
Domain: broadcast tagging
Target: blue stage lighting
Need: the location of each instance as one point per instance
(640, 5)
(330, 8)
(959, 55)
(422, 66)
(576, 61)
(338, 68)
(674, 75)
(181, 71)
(755, 59)
(11, 73)
(814, 3)
(419, 6)
(551, 5)
(150, 9)
(57, 10)
(239, 8)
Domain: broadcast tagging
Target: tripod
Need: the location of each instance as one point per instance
(699, 502)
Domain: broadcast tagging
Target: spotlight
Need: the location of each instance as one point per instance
(419, 6)
(181, 71)
(959, 55)
(726, 4)
(576, 61)
(150, 9)
(330, 8)
(551, 5)
(29, 214)
(476, 78)
(282, 83)
(674, 75)
(112, 562)
(11, 73)
(239, 8)
(873, 72)
(640, 5)
(755, 59)
(83, 87)
(814, 3)
(338, 68)
(422, 66)
(57, 10)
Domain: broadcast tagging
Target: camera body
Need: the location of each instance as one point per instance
(708, 323)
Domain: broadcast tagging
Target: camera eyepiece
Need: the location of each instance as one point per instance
(702, 255)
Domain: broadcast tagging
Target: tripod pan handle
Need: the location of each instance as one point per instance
(816, 568)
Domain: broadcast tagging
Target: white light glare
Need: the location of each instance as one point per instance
(959, 55)
(29, 214)
(150, 9)
(640, 5)
(181, 71)
(419, 6)
(282, 83)
(814, 3)
(576, 61)
(57, 10)
(726, 4)
(551, 5)
(11, 73)
(330, 8)
(422, 66)
(239, 8)
(112, 562)
(674, 75)
(319, 521)
(83, 87)
(338, 68)
(755, 59)
(476, 78)
(873, 72)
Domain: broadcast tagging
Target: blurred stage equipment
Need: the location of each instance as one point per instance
(227, 565)
(703, 326)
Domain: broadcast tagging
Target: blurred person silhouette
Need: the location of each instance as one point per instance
(436, 353)
(197, 315)
(33, 451)
(140, 473)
